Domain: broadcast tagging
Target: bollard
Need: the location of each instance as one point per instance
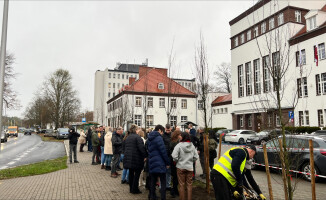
(312, 170)
(270, 190)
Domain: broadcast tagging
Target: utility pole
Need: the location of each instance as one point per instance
(3, 57)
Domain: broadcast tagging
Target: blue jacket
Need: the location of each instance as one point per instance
(157, 155)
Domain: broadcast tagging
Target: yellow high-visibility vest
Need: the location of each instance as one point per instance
(224, 166)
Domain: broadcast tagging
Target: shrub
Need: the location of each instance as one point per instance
(302, 129)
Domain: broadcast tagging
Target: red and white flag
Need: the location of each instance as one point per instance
(316, 55)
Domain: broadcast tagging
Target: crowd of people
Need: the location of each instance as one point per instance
(165, 158)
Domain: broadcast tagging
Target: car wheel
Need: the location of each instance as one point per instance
(306, 168)
(241, 141)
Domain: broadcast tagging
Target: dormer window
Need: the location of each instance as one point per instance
(312, 22)
(236, 42)
(297, 16)
(161, 86)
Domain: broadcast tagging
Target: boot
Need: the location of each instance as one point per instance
(107, 168)
(102, 166)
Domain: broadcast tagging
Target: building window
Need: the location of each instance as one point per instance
(200, 104)
(242, 38)
(271, 23)
(109, 94)
(184, 103)
(225, 110)
(184, 118)
(318, 88)
(277, 120)
(118, 76)
(301, 118)
(321, 51)
(173, 121)
(300, 57)
(269, 120)
(257, 86)
(150, 120)
(320, 118)
(256, 31)
(307, 117)
(122, 76)
(241, 121)
(138, 120)
(263, 27)
(280, 19)
(113, 75)
(109, 85)
(248, 35)
(127, 76)
(276, 71)
(161, 86)
(249, 121)
(299, 87)
(173, 103)
(241, 81)
(118, 85)
(138, 101)
(305, 86)
(150, 102)
(113, 85)
(162, 102)
(312, 22)
(266, 74)
(113, 94)
(297, 16)
(109, 75)
(218, 111)
(236, 41)
(323, 83)
(248, 79)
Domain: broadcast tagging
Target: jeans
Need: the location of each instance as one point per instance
(134, 179)
(168, 177)
(185, 181)
(116, 158)
(90, 147)
(95, 153)
(107, 159)
(125, 174)
(154, 176)
(102, 155)
(202, 161)
(121, 159)
(72, 148)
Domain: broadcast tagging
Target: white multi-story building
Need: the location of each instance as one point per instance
(260, 46)
(153, 99)
(221, 111)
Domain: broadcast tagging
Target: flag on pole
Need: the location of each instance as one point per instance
(316, 55)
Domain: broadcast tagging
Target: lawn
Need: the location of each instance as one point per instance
(35, 169)
(49, 139)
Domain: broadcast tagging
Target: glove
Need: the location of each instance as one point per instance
(262, 197)
(236, 194)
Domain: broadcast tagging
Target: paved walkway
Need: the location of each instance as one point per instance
(79, 181)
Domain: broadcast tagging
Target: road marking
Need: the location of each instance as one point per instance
(11, 163)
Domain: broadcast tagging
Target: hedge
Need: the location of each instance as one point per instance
(302, 129)
(215, 129)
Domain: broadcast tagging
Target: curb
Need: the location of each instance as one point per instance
(66, 149)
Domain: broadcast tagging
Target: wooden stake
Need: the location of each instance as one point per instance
(269, 182)
(283, 169)
(219, 147)
(312, 170)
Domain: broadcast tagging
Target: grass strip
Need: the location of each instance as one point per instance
(49, 139)
(35, 169)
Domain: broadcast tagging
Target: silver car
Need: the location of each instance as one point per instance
(239, 136)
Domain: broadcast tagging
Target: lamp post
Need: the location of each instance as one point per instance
(3, 56)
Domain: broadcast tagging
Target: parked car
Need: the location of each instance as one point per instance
(264, 136)
(28, 132)
(62, 133)
(4, 137)
(222, 132)
(319, 132)
(49, 133)
(298, 148)
(239, 136)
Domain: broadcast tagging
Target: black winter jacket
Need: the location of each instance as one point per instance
(73, 136)
(167, 140)
(134, 152)
(116, 143)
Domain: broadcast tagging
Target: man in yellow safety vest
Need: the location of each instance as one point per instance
(230, 165)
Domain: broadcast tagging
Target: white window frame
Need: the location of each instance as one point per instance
(277, 120)
(184, 103)
(323, 83)
(306, 113)
(149, 120)
(248, 79)
(304, 86)
(312, 22)
(113, 75)
(271, 23)
(109, 85)
(173, 103)
(236, 42)
(248, 35)
(249, 121)
(160, 86)
(320, 117)
(138, 102)
(109, 75)
(321, 51)
(138, 120)
(242, 38)
(257, 80)
(226, 110)
(162, 102)
(256, 33)
(241, 81)
(263, 27)
(280, 19)
(318, 84)
(301, 118)
(297, 15)
(150, 102)
(266, 75)
(200, 105)
(184, 118)
(241, 121)
(173, 121)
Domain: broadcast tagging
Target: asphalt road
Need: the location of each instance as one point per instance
(27, 149)
(302, 187)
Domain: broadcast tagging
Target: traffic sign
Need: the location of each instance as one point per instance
(84, 119)
(291, 115)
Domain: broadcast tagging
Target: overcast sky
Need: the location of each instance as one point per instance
(85, 36)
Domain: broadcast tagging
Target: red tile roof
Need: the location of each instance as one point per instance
(149, 84)
(222, 100)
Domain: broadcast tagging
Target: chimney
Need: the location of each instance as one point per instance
(131, 80)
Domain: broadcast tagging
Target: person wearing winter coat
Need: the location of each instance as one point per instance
(82, 140)
(159, 161)
(117, 150)
(175, 138)
(108, 148)
(212, 146)
(89, 139)
(95, 144)
(73, 138)
(167, 139)
(134, 157)
(185, 154)
(125, 172)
